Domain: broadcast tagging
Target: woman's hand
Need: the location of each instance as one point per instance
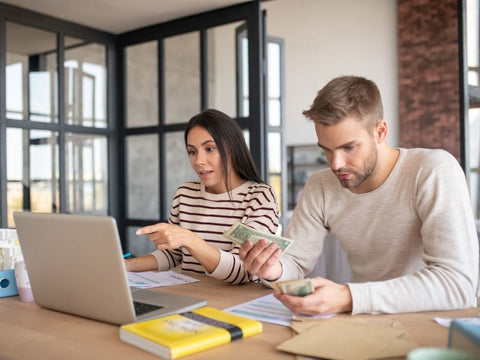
(167, 236)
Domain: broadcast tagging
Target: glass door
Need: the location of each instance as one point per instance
(173, 71)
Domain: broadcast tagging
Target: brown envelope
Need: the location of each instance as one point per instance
(349, 339)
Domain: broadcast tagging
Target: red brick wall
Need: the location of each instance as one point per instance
(429, 104)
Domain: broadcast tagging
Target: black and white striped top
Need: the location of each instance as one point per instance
(209, 215)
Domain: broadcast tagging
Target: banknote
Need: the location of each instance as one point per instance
(240, 233)
(298, 287)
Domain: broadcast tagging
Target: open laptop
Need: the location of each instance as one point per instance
(75, 265)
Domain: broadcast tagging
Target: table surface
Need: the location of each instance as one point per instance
(28, 331)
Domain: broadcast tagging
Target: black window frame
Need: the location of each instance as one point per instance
(251, 14)
(116, 131)
(62, 29)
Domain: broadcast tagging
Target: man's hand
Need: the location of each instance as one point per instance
(328, 298)
(261, 259)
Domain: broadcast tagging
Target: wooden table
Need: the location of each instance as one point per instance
(30, 332)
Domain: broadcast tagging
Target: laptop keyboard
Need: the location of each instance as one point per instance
(143, 308)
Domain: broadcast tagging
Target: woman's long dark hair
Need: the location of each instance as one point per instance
(230, 141)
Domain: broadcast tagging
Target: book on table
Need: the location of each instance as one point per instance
(178, 335)
(464, 335)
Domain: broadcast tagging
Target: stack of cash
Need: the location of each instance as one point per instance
(297, 287)
(240, 233)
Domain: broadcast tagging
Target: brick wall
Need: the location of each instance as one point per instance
(429, 104)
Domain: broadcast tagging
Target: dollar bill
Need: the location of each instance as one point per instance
(240, 233)
(298, 287)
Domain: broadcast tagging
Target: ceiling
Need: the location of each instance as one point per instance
(119, 16)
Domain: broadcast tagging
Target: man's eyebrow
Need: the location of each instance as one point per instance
(347, 144)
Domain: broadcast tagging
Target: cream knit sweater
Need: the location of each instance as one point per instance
(411, 243)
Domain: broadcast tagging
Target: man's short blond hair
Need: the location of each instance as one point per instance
(347, 96)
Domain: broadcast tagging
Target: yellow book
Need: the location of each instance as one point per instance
(178, 335)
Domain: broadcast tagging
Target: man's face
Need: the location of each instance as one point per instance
(351, 152)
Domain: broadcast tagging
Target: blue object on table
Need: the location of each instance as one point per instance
(464, 335)
(8, 284)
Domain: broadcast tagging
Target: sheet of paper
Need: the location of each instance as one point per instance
(446, 321)
(149, 279)
(266, 308)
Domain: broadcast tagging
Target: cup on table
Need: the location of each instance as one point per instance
(434, 353)
(23, 283)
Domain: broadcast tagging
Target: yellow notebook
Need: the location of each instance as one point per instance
(182, 334)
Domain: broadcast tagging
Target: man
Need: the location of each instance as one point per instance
(402, 215)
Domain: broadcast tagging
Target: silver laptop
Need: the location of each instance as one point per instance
(75, 265)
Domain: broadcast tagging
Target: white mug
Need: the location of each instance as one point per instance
(23, 283)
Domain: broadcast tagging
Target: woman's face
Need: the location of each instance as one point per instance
(205, 159)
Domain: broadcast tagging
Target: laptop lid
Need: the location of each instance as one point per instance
(75, 265)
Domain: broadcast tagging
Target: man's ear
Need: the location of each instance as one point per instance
(381, 131)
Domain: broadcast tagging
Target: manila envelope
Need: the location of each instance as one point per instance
(349, 339)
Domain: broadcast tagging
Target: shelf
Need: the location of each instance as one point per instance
(303, 161)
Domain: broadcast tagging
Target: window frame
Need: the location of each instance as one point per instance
(61, 29)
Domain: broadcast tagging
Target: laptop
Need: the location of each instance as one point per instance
(75, 265)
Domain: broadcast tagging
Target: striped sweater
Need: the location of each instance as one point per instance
(209, 215)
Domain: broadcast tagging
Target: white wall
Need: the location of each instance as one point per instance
(325, 39)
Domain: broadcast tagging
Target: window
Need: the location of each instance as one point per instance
(472, 125)
(55, 122)
(275, 127)
(274, 95)
(274, 103)
(92, 122)
(174, 71)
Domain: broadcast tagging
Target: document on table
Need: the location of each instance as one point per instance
(149, 279)
(446, 321)
(268, 309)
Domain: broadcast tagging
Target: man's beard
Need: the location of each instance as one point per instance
(359, 176)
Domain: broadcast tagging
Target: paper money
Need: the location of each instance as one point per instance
(240, 233)
(298, 287)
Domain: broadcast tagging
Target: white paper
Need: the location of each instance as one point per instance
(446, 321)
(268, 309)
(149, 279)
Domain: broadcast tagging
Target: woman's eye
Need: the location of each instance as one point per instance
(191, 152)
(210, 149)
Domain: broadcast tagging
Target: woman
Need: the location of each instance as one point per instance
(230, 190)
